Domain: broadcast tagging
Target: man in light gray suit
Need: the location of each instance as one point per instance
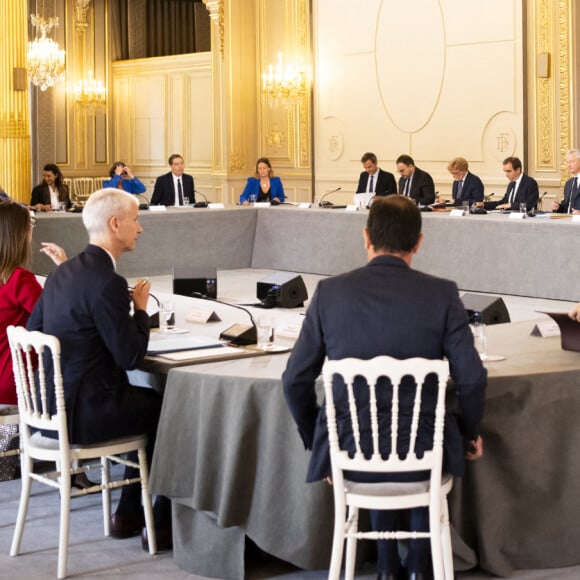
(387, 308)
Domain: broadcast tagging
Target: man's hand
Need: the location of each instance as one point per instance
(141, 293)
(474, 449)
(574, 314)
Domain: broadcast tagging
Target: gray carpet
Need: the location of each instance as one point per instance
(91, 555)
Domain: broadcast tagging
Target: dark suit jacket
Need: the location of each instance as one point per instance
(471, 191)
(564, 205)
(384, 308)
(527, 192)
(41, 194)
(385, 183)
(164, 190)
(85, 304)
(422, 187)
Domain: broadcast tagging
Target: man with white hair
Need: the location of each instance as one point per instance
(87, 306)
(571, 201)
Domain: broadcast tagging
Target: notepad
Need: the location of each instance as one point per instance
(162, 343)
(569, 330)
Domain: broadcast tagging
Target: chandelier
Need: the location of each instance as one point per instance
(90, 93)
(45, 60)
(283, 84)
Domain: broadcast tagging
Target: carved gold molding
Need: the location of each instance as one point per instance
(545, 130)
(564, 66)
(216, 13)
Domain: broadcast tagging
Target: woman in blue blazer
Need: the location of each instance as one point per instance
(264, 186)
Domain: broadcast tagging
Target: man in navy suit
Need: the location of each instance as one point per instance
(521, 188)
(571, 201)
(373, 179)
(175, 187)
(415, 182)
(466, 185)
(386, 308)
(87, 306)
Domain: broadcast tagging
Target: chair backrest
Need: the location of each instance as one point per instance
(38, 384)
(381, 378)
(82, 188)
(98, 181)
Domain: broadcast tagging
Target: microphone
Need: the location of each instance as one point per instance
(488, 197)
(323, 203)
(238, 334)
(145, 204)
(201, 203)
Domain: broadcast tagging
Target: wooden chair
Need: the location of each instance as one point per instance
(431, 493)
(82, 189)
(34, 387)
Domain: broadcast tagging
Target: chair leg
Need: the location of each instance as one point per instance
(106, 495)
(337, 539)
(146, 499)
(64, 525)
(351, 543)
(446, 545)
(435, 540)
(26, 481)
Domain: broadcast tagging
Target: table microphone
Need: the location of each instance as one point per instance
(145, 204)
(238, 334)
(323, 203)
(488, 197)
(201, 203)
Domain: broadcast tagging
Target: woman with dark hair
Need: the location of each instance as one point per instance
(122, 178)
(49, 194)
(264, 186)
(19, 290)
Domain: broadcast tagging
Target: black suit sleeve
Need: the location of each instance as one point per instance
(156, 198)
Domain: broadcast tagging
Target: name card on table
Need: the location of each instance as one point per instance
(262, 204)
(304, 205)
(202, 315)
(576, 219)
(517, 215)
(546, 328)
(157, 208)
(351, 207)
(216, 205)
(456, 213)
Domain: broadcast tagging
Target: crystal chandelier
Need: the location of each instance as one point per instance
(283, 85)
(90, 93)
(45, 60)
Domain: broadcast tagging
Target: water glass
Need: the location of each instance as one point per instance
(62, 206)
(523, 208)
(266, 331)
(252, 198)
(167, 315)
(465, 207)
(480, 338)
(185, 201)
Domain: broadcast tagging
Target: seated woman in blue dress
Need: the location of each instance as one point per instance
(122, 178)
(263, 187)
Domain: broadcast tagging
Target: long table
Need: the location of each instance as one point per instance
(230, 457)
(487, 253)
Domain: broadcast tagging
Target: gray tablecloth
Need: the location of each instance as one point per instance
(229, 455)
(489, 253)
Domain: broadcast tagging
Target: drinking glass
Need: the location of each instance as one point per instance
(266, 331)
(523, 208)
(480, 338)
(167, 315)
(252, 198)
(185, 201)
(465, 207)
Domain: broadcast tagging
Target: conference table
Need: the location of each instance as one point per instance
(482, 253)
(230, 458)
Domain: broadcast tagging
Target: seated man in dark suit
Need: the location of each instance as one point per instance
(373, 179)
(466, 185)
(175, 187)
(386, 308)
(571, 201)
(87, 306)
(415, 182)
(521, 188)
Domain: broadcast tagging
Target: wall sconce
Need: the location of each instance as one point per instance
(283, 84)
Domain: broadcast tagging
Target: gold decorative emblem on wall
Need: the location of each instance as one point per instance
(276, 138)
